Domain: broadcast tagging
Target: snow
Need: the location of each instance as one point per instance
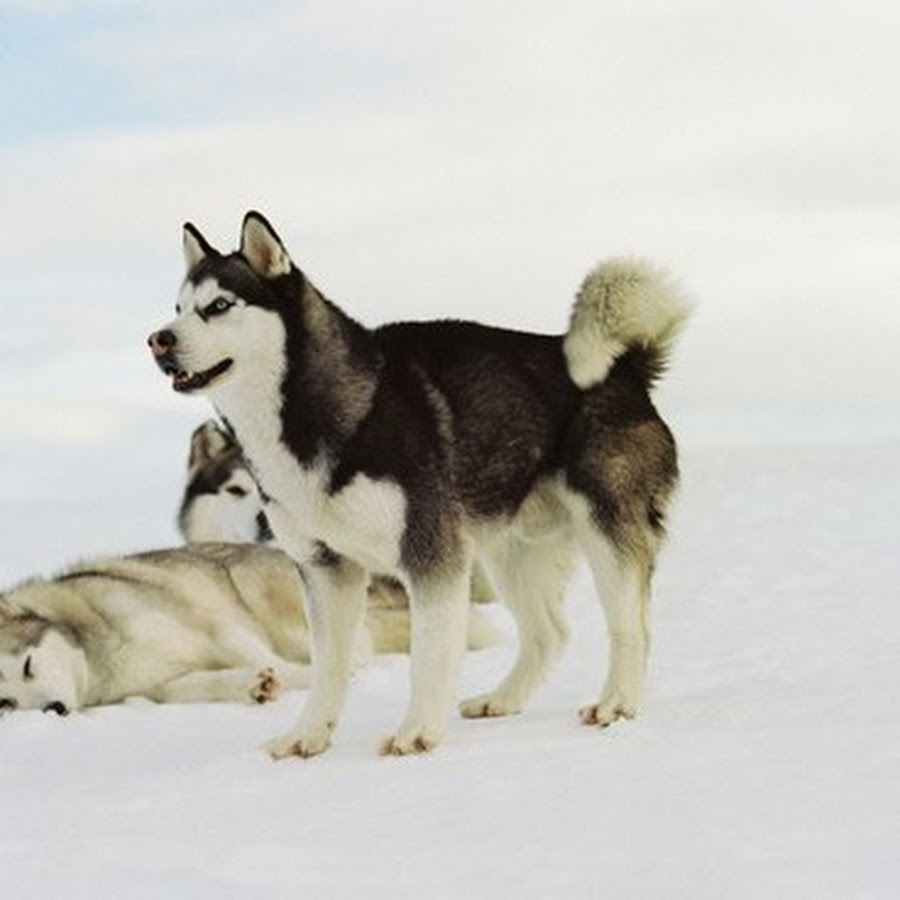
(765, 762)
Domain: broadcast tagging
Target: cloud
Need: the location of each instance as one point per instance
(475, 159)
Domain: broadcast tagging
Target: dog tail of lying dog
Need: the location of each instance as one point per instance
(623, 305)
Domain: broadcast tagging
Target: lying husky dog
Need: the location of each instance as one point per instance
(212, 623)
(407, 449)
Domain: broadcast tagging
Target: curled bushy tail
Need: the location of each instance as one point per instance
(623, 305)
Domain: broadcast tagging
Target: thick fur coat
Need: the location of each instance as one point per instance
(410, 449)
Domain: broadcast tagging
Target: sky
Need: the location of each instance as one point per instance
(468, 160)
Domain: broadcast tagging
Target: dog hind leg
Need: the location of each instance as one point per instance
(622, 579)
(531, 579)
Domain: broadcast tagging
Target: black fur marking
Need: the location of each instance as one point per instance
(263, 529)
(263, 496)
(96, 573)
(210, 478)
(325, 557)
(229, 429)
(234, 274)
(218, 307)
(204, 245)
(314, 400)
(509, 398)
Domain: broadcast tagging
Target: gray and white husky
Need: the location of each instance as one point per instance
(217, 622)
(408, 449)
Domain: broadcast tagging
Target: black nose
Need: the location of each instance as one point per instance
(160, 342)
(58, 707)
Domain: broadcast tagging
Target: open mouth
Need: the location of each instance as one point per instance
(185, 382)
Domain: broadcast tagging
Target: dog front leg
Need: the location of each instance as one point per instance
(439, 620)
(236, 685)
(335, 605)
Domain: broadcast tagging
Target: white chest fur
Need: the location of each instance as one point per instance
(363, 521)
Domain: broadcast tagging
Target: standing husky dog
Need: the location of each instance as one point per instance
(402, 450)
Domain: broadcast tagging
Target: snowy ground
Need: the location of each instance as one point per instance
(766, 763)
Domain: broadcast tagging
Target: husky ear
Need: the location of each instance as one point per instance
(207, 443)
(262, 248)
(195, 246)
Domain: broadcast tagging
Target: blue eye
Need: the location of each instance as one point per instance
(219, 306)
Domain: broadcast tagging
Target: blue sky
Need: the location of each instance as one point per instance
(50, 84)
(470, 159)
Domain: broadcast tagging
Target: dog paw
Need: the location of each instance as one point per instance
(266, 687)
(603, 714)
(299, 743)
(403, 744)
(488, 706)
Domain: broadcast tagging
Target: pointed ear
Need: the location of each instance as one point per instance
(207, 442)
(262, 248)
(195, 246)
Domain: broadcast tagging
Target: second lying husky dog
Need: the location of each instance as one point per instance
(221, 501)
(405, 449)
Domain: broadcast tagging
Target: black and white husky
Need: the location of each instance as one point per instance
(410, 449)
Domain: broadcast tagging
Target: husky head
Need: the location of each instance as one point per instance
(40, 668)
(224, 329)
(221, 501)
